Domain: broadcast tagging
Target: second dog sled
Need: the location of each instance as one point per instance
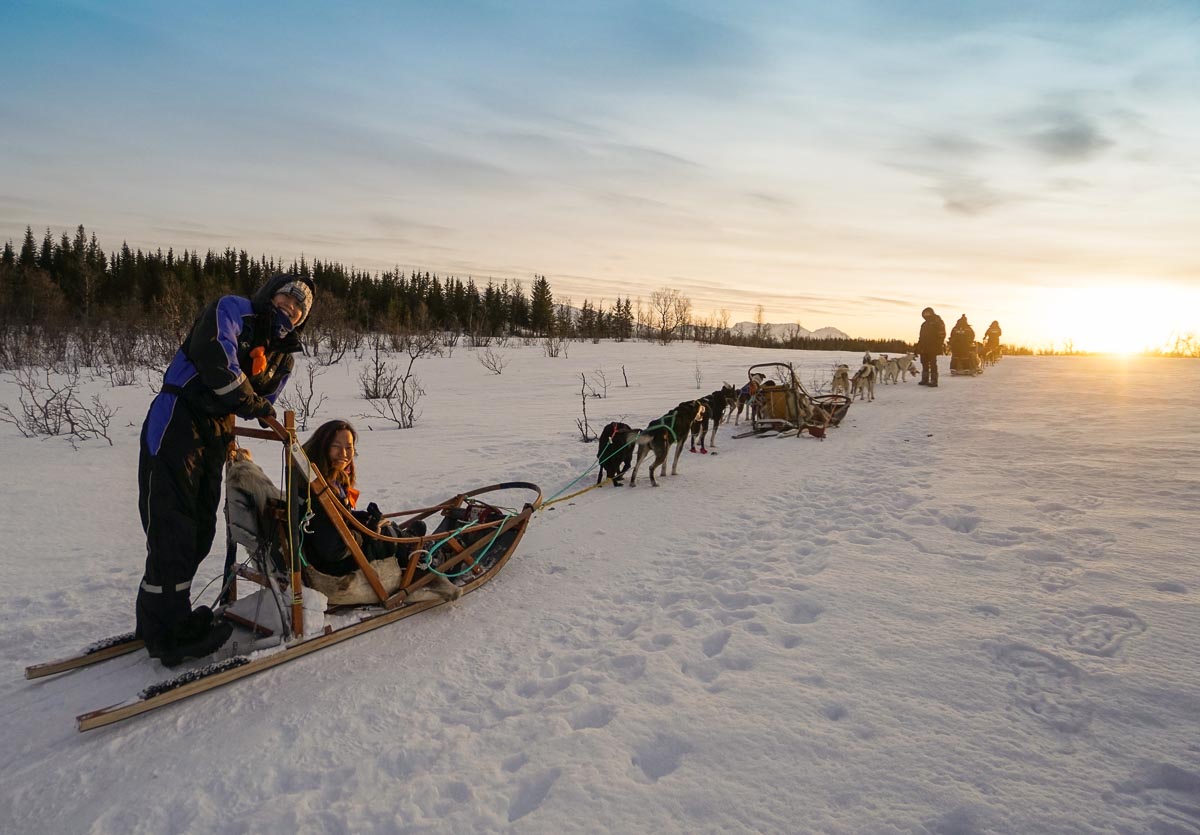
(780, 406)
(294, 610)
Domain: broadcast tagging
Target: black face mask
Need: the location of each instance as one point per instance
(282, 324)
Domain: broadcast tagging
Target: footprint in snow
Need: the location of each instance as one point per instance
(1101, 630)
(1045, 687)
(801, 612)
(715, 642)
(531, 793)
(1172, 792)
(660, 756)
(592, 716)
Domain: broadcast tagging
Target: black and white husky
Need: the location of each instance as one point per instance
(716, 406)
(671, 428)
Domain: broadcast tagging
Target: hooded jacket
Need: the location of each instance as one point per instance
(992, 335)
(233, 357)
(962, 338)
(933, 336)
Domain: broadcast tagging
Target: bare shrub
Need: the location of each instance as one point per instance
(493, 361)
(600, 383)
(50, 407)
(302, 397)
(585, 430)
(553, 345)
(400, 404)
(378, 379)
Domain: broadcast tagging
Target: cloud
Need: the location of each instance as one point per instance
(1066, 135)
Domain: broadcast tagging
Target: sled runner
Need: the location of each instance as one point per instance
(782, 406)
(297, 610)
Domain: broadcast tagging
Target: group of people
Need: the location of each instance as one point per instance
(964, 350)
(234, 362)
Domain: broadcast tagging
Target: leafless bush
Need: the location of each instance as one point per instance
(585, 431)
(400, 404)
(600, 384)
(378, 379)
(19, 347)
(552, 346)
(479, 339)
(450, 342)
(119, 356)
(698, 374)
(52, 407)
(493, 361)
(301, 395)
(625, 376)
(330, 345)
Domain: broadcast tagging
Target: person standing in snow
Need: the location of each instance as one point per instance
(930, 345)
(234, 361)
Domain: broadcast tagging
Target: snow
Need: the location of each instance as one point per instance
(968, 610)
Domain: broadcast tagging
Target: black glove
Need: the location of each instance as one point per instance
(256, 407)
(374, 517)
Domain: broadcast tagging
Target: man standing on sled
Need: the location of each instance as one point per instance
(234, 361)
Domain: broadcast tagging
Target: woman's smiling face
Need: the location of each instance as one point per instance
(341, 450)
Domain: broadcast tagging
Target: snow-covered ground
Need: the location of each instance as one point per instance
(969, 610)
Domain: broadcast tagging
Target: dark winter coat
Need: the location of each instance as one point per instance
(962, 338)
(992, 335)
(322, 545)
(933, 336)
(233, 361)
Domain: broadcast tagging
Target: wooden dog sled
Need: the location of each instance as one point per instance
(296, 610)
(783, 407)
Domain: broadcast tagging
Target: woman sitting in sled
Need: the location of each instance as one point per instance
(331, 449)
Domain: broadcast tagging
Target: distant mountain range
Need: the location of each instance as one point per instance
(782, 332)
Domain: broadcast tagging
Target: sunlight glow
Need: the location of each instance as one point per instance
(1118, 319)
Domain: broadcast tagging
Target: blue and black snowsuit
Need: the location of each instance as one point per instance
(186, 437)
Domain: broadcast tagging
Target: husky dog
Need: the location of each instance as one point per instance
(841, 380)
(615, 452)
(863, 382)
(716, 406)
(897, 368)
(746, 396)
(669, 429)
(880, 365)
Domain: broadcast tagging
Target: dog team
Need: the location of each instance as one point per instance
(885, 369)
(691, 419)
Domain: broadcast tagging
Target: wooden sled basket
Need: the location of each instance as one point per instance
(471, 542)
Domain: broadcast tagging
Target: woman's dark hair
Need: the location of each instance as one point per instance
(317, 450)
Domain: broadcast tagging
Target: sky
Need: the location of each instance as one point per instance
(840, 164)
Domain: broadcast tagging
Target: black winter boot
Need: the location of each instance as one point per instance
(194, 639)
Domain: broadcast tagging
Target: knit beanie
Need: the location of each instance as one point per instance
(302, 293)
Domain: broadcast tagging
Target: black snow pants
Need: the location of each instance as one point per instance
(929, 369)
(179, 494)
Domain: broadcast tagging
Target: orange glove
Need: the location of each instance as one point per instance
(258, 361)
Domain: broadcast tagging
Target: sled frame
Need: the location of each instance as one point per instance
(344, 522)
